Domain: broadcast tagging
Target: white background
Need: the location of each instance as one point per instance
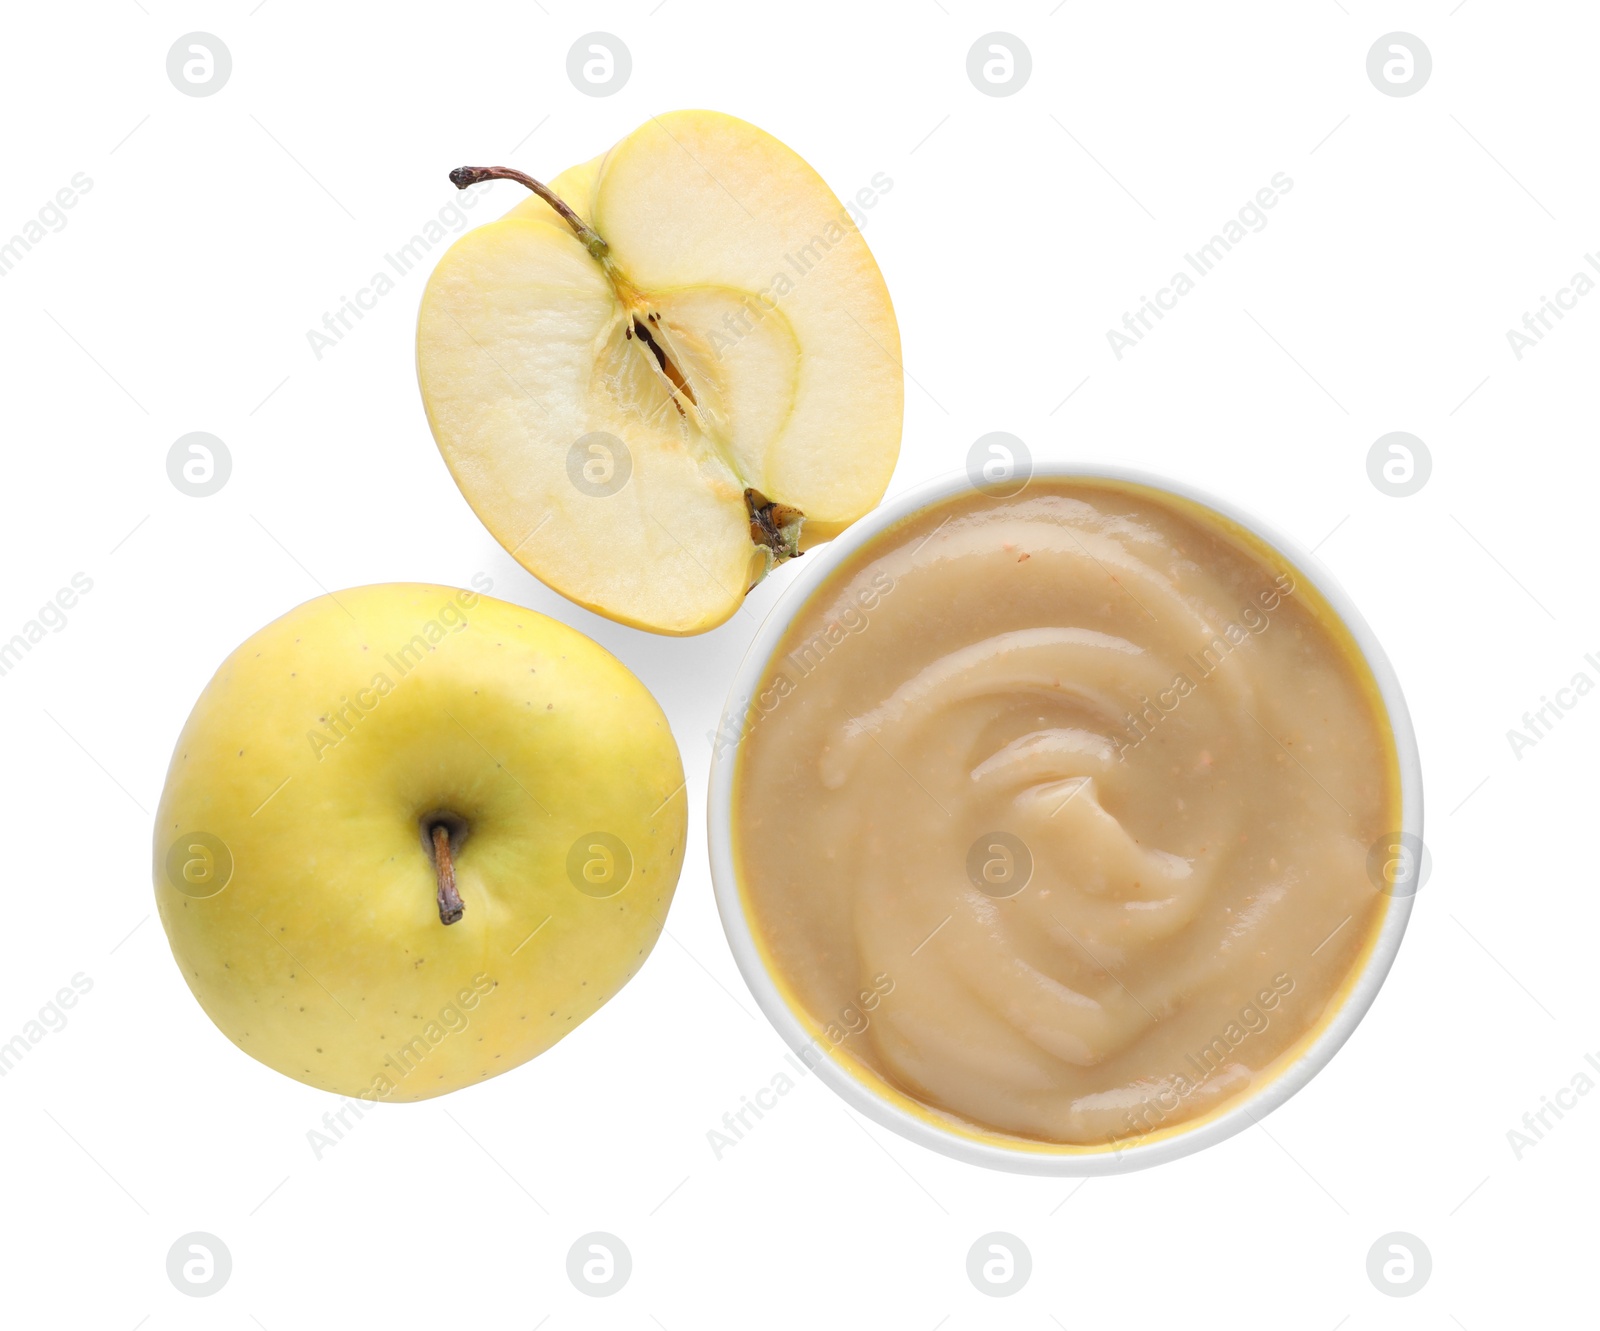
(1018, 230)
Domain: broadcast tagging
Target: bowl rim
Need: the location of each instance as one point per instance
(1031, 1157)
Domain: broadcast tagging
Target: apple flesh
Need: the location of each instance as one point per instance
(412, 836)
(699, 294)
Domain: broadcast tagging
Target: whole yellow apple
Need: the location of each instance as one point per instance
(411, 836)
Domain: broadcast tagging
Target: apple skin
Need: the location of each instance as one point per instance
(773, 309)
(307, 925)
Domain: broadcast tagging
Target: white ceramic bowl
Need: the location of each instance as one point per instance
(892, 1108)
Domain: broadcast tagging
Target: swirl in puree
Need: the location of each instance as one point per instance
(1053, 812)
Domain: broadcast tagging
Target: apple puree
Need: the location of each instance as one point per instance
(1089, 775)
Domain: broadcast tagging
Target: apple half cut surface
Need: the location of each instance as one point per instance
(666, 372)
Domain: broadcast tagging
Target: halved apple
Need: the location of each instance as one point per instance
(668, 371)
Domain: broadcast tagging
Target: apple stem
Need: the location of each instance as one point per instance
(463, 176)
(451, 907)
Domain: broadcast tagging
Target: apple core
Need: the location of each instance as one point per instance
(668, 371)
